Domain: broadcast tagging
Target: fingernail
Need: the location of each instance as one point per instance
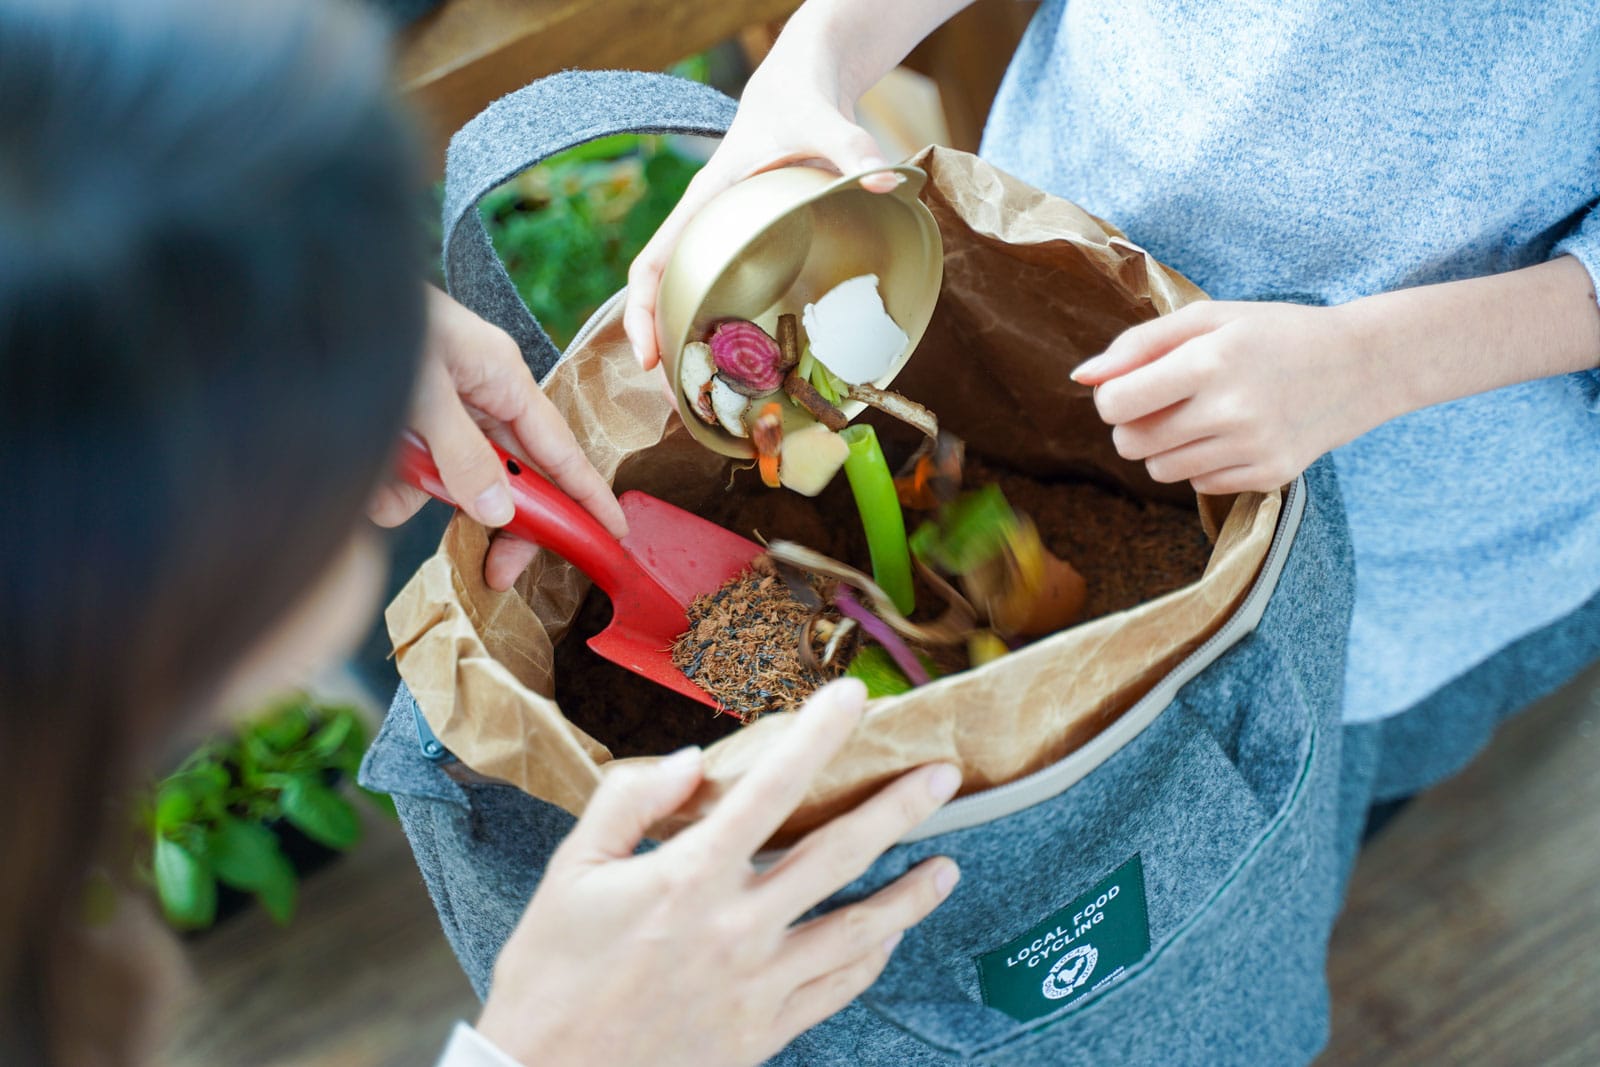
(943, 782)
(681, 760)
(892, 940)
(1088, 366)
(494, 505)
(949, 874)
(873, 163)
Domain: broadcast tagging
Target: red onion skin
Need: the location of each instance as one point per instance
(747, 358)
(893, 643)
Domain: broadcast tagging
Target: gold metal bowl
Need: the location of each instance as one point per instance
(780, 240)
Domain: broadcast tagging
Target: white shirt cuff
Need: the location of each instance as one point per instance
(468, 1048)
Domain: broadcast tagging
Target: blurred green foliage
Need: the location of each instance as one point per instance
(568, 229)
(211, 821)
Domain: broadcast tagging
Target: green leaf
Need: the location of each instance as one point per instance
(876, 668)
(330, 738)
(186, 889)
(195, 794)
(969, 532)
(571, 252)
(696, 68)
(603, 148)
(279, 894)
(320, 813)
(283, 727)
(246, 855)
(175, 804)
(348, 759)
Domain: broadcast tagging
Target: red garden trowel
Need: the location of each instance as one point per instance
(668, 558)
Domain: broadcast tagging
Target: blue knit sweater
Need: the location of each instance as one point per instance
(1322, 150)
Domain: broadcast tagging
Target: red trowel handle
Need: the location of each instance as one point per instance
(545, 515)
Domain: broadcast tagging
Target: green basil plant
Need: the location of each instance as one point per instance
(214, 819)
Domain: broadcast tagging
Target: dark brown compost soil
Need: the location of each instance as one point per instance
(1128, 550)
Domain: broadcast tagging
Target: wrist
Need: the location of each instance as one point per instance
(808, 56)
(470, 1047)
(1388, 384)
(523, 1038)
(844, 47)
(1437, 343)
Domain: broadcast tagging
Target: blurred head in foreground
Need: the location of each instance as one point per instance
(209, 321)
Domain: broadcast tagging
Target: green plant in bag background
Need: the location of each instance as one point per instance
(212, 821)
(568, 229)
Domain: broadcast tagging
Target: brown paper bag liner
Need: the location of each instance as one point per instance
(1033, 285)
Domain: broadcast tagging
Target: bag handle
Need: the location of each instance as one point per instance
(528, 126)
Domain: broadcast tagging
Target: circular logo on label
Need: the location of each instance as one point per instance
(1071, 971)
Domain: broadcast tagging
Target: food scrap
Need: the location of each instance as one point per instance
(851, 333)
(743, 645)
(768, 639)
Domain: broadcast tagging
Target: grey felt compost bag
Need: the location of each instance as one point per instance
(1160, 895)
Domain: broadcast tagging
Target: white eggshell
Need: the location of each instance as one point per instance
(851, 334)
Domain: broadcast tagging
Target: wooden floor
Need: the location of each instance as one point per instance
(1472, 932)
(1472, 937)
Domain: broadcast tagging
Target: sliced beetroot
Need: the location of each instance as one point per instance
(746, 357)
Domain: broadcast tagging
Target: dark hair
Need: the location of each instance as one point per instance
(209, 321)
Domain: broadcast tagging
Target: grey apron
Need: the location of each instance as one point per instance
(1171, 906)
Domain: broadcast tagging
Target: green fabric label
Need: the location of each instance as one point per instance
(1083, 947)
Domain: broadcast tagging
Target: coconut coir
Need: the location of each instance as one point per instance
(743, 646)
(1128, 550)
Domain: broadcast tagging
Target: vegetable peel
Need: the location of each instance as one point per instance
(1011, 578)
(802, 392)
(766, 434)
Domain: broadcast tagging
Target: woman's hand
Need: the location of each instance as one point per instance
(686, 954)
(1233, 396)
(798, 106)
(785, 116)
(474, 386)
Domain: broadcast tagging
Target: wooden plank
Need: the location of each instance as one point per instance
(468, 52)
(1472, 931)
(362, 977)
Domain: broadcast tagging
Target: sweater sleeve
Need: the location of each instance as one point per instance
(468, 1048)
(1583, 244)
